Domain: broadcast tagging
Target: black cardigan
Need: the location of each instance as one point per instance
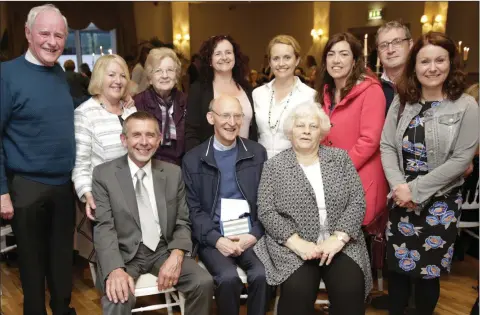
(197, 128)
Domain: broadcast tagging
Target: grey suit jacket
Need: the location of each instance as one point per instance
(117, 233)
(287, 205)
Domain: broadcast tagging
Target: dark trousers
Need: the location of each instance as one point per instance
(344, 281)
(427, 292)
(194, 282)
(228, 284)
(43, 223)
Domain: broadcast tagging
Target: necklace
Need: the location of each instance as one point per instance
(274, 127)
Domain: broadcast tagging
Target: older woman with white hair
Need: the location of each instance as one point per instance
(311, 203)
(98, 125)
(164, 101)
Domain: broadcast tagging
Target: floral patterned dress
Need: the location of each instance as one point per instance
(420, 242)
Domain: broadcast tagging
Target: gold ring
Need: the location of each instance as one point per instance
(170, 283)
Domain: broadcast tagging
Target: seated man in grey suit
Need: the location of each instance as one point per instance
(142, 224)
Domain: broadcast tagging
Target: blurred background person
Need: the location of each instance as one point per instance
(353, 98)
(85, 70)
(222, 72)
(252, 78)
(311, 72)
(428, 141)
(274, 101)
(78, 83)
(138, 73)
(194, 69)
(165, 102)
(98, 125)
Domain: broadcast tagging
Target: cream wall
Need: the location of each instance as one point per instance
(251, 24)
(153, 19)
(345, 15)
(462, 24)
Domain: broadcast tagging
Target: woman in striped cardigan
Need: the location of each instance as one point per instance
(98, 125)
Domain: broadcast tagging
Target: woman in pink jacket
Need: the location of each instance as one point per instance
(353, 98)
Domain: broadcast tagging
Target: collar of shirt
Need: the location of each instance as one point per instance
(385, 77)
(134, 168)
(31, 58)
(297, 85)
(220, 147)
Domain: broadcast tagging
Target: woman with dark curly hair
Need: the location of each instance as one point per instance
(222, 72)
(353, 98)
(428, 141)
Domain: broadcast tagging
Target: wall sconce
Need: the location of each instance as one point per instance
(434, 24)
(316, 34)
(181, 40)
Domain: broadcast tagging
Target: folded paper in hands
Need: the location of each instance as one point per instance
(235, 217)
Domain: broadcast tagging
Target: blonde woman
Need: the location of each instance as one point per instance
(98, 125)
(163, 100)
(273, 101)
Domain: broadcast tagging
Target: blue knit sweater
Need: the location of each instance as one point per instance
(36, 123)
(226, 163)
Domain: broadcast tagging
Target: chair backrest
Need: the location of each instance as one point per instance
(474, 205)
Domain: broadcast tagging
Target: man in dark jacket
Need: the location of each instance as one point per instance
(223, 171)
(394, 42)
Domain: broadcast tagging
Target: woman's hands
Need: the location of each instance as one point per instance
(325, 251)
(305, 249)
(329, 248)
(403, 196)
(90, 206)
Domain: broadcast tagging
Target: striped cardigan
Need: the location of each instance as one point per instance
(97, 137)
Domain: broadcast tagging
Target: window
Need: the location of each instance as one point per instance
(87, 45)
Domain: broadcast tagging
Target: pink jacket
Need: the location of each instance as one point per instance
(357, 123)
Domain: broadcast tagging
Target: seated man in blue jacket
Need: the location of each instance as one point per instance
(223, 168)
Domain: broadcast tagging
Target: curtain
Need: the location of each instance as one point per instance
(105, 15)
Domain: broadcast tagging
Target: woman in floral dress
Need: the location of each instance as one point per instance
(428, 141)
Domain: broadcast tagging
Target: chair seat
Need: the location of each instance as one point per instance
(147, 285)
(241, 273)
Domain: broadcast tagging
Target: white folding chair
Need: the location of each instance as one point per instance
(146, 285)
(241, 273)
(464, 226)
(6, 230)
(317, 302)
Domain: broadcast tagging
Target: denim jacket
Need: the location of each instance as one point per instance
(451, 138)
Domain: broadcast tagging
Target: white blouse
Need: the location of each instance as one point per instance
(274, 140)
(314, 176)
(97, 137)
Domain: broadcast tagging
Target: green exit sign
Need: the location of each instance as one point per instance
(375, 14)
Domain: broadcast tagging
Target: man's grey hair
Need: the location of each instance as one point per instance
(392, 25)
(35, 11)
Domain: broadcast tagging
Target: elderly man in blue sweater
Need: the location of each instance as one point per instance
(221, 177)
(37, 155)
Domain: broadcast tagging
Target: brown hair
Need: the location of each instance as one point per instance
(140, 116)
(205, 53)
(359, 70)
(410, 89)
